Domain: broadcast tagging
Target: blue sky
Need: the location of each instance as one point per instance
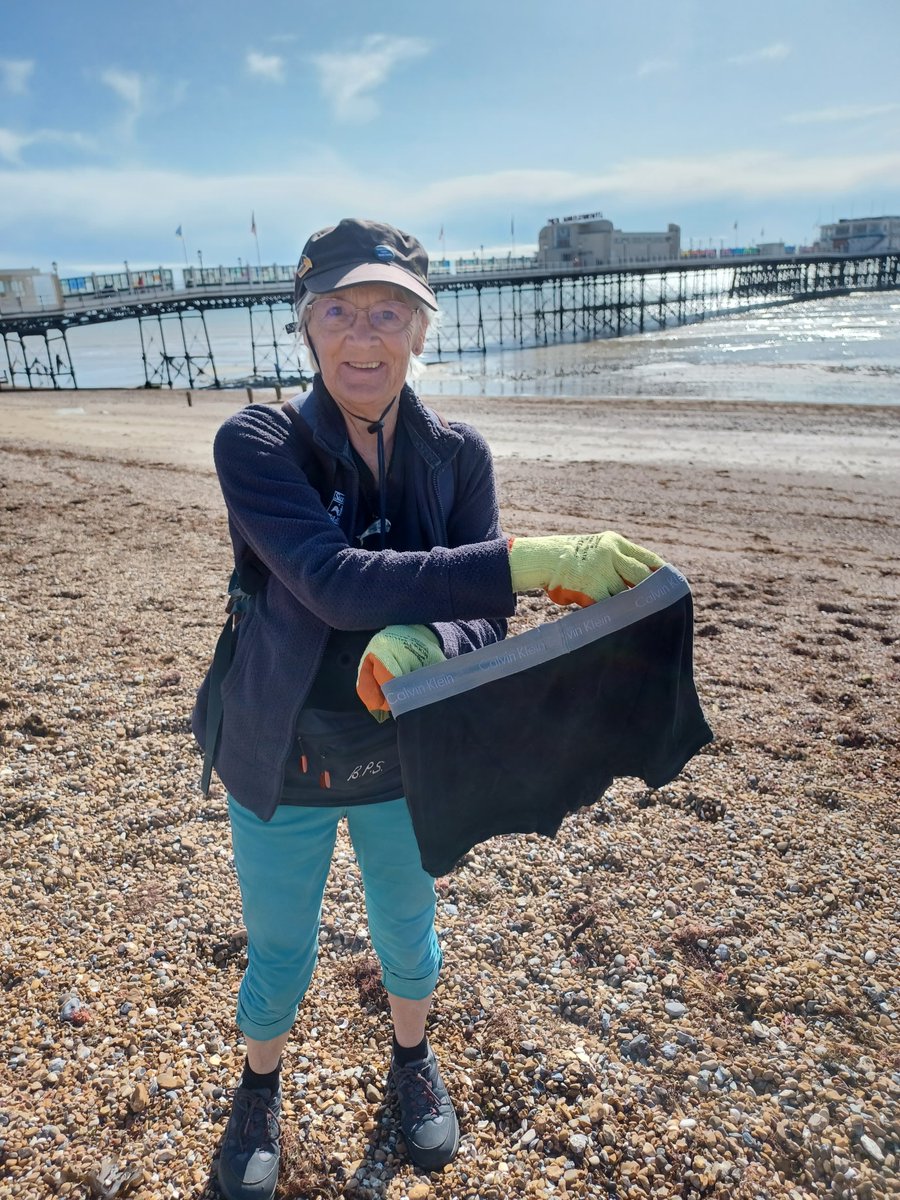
(121, 120)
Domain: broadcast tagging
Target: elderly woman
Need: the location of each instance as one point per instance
(371, 531)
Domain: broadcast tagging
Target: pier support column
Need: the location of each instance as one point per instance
(186, 355)
(275, 358)
(209, 354)
(59, 360)
(10, 373)
(191, 363)
(480, 340)
(164, 353)
(22, 373)
(269, 356)
(147, 381)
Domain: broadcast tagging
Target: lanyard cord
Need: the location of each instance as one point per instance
(377, 427)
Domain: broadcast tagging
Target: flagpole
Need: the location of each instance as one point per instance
(256, 239)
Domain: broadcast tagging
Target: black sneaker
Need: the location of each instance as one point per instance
(427, 1116)
(248, 1159)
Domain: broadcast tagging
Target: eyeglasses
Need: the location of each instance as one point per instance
(387, 316)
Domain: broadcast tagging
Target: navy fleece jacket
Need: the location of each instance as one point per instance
(318, 581)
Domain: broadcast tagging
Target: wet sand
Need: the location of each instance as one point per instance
(177, 427)
(690, 992)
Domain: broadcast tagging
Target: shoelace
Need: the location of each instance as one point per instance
(259, 1117)
(417, 1092)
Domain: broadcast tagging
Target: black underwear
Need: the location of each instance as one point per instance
(512, 737)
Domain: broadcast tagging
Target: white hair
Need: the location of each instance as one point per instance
(427, 317)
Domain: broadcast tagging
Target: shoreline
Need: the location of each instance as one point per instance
(753, 435)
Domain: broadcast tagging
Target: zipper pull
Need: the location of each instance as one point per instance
(304, 761)
(325, 779)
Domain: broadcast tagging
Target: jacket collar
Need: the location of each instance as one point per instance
(435, 442)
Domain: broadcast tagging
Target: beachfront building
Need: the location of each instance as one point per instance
(866, 235)
(589, 240)
(28, 291)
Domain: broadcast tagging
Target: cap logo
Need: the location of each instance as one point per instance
(304, 266)
(385, 253)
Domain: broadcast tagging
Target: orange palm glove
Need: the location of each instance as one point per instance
(397, 650)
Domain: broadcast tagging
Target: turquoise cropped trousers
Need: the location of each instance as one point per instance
(282, 867)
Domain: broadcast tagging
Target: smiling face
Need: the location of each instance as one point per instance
(364, 368)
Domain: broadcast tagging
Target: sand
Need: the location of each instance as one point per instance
(177, 427)
(691, 992)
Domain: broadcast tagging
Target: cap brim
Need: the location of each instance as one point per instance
(341, 277)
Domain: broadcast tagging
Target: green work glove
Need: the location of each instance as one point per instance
(579, 568)
(395, 651)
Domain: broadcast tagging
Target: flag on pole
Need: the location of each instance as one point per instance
(441, 234)
(179, 233)
(255, 238)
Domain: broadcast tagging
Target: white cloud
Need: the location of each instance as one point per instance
(12, 144)
(266, 66)
(348, 78)
(131, 89)
(654, 66)
(126, 84)
(773, 53)
(15, 73)
(109, 203)
(847, 112)
(142, 96)
(101, 199)
(665, 181)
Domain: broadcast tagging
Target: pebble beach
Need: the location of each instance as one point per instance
(691, 992)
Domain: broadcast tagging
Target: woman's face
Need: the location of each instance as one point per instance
(363, 368)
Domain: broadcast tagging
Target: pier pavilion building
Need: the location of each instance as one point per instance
(589, 240)
(863, 235)
(27, 290)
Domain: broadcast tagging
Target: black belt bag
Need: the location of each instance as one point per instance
(343, 758)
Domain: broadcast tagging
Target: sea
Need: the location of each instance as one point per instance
(839, 350)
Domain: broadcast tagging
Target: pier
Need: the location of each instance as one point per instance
(503, 304)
